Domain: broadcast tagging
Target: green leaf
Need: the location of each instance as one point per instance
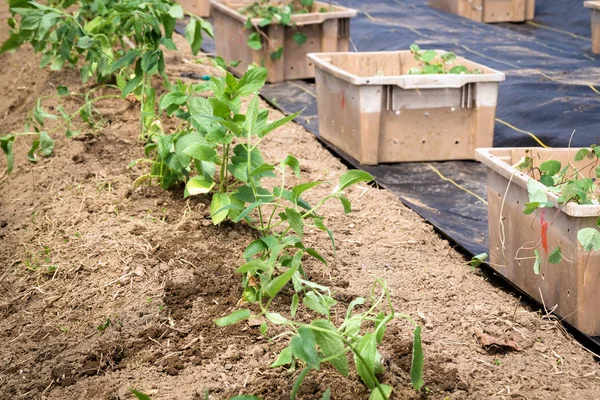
(581, 154)
(252, 266)
(551, 167)
(304, 347)
(326, 394)
(299, 37)
(367, 348)
(252, 81)
(46, 144)
(202, 152)
(199, 185)
(125, 61)
(284, 358)
(173, 98)
(531, 207)
(233, 318)
(352, 177)
(139, 395)
(295, 302)
(459, 69)
(427, 56)
(298, 383)
(376, 394)
(314, 302)
(31, 153)
(276, 318)
(62, 90)
(294, 218)
(415, 48)
(589, 239)
(331, 345)
(418, 361)
(538, 262)
(346, 204)
(276, 55)
(477, 260)
(176, 11)
(278, 123)
(255, 247)
(315, 254)
(219, 201)
(320, 225)
(254, 41)
(536, 191)
(303, 187)
(293, 163)
(555, 256)
(280, 281)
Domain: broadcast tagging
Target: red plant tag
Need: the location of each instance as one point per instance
(544, 225)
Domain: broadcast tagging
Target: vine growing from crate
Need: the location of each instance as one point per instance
(117, 42)
(215, 150)
(433, 62)
(268, 13)
(570, 185)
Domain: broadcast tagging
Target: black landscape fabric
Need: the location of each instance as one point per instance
(552, 88)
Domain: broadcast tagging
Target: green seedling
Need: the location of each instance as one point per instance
(320, 341)
(110, 40)
(434, 63)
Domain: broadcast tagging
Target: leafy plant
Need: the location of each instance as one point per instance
(320, 341)
(38, 119)
(434, 63)
(269, 13)
(111, 40)
(570, 185)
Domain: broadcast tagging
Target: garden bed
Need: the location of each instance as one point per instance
(153, 264)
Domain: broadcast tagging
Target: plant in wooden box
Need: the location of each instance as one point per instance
(543, 221)
(279, 34)
(417, 105)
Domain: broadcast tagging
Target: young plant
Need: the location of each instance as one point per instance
(434, 63)
(36, 122)
(110, 40)
(320, 341)
(571, 185)
(269, 13)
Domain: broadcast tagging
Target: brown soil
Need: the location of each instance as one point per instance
(141, 274)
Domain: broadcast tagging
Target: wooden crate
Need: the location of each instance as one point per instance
(595, 6)
(199, 7)
(373, 111)
(570, 288)
(488, 10)
(325, 31)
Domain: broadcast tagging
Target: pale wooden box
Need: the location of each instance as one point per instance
(200, 8)
(325, 31)
(595, 6)
(373, 111)
(570, 288)
(488, 10)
